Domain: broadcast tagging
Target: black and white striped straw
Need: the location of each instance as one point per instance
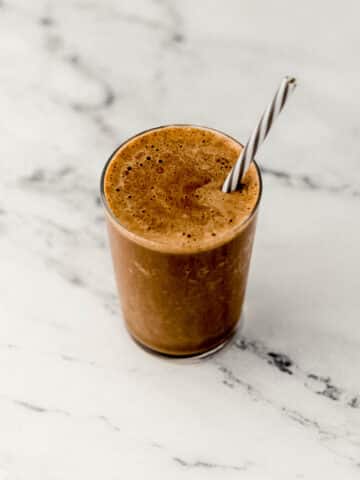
(235, 177)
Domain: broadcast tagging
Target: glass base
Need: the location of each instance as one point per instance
(188, 358)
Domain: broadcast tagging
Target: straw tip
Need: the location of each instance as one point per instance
(291, 80)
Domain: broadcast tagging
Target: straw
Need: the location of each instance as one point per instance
(234, 179)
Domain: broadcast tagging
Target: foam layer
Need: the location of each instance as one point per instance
(165, 185)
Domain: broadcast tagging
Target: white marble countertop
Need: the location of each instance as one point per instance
(78, 400)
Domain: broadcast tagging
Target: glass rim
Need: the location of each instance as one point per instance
(162, 246)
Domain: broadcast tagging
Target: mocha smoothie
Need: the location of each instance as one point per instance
(181, 247)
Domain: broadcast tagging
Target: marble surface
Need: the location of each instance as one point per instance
(77, 398)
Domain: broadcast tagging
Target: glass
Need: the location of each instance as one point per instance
(180, 303)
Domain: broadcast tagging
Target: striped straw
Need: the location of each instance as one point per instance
(235, 177)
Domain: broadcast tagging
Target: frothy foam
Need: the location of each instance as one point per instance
(165, 185)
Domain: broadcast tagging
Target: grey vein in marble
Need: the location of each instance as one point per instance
(321, 385)
(38, 408)
(308, 182)
(109, 423)
(210, 466)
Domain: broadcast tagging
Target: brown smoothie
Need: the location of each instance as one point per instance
(181, 247)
